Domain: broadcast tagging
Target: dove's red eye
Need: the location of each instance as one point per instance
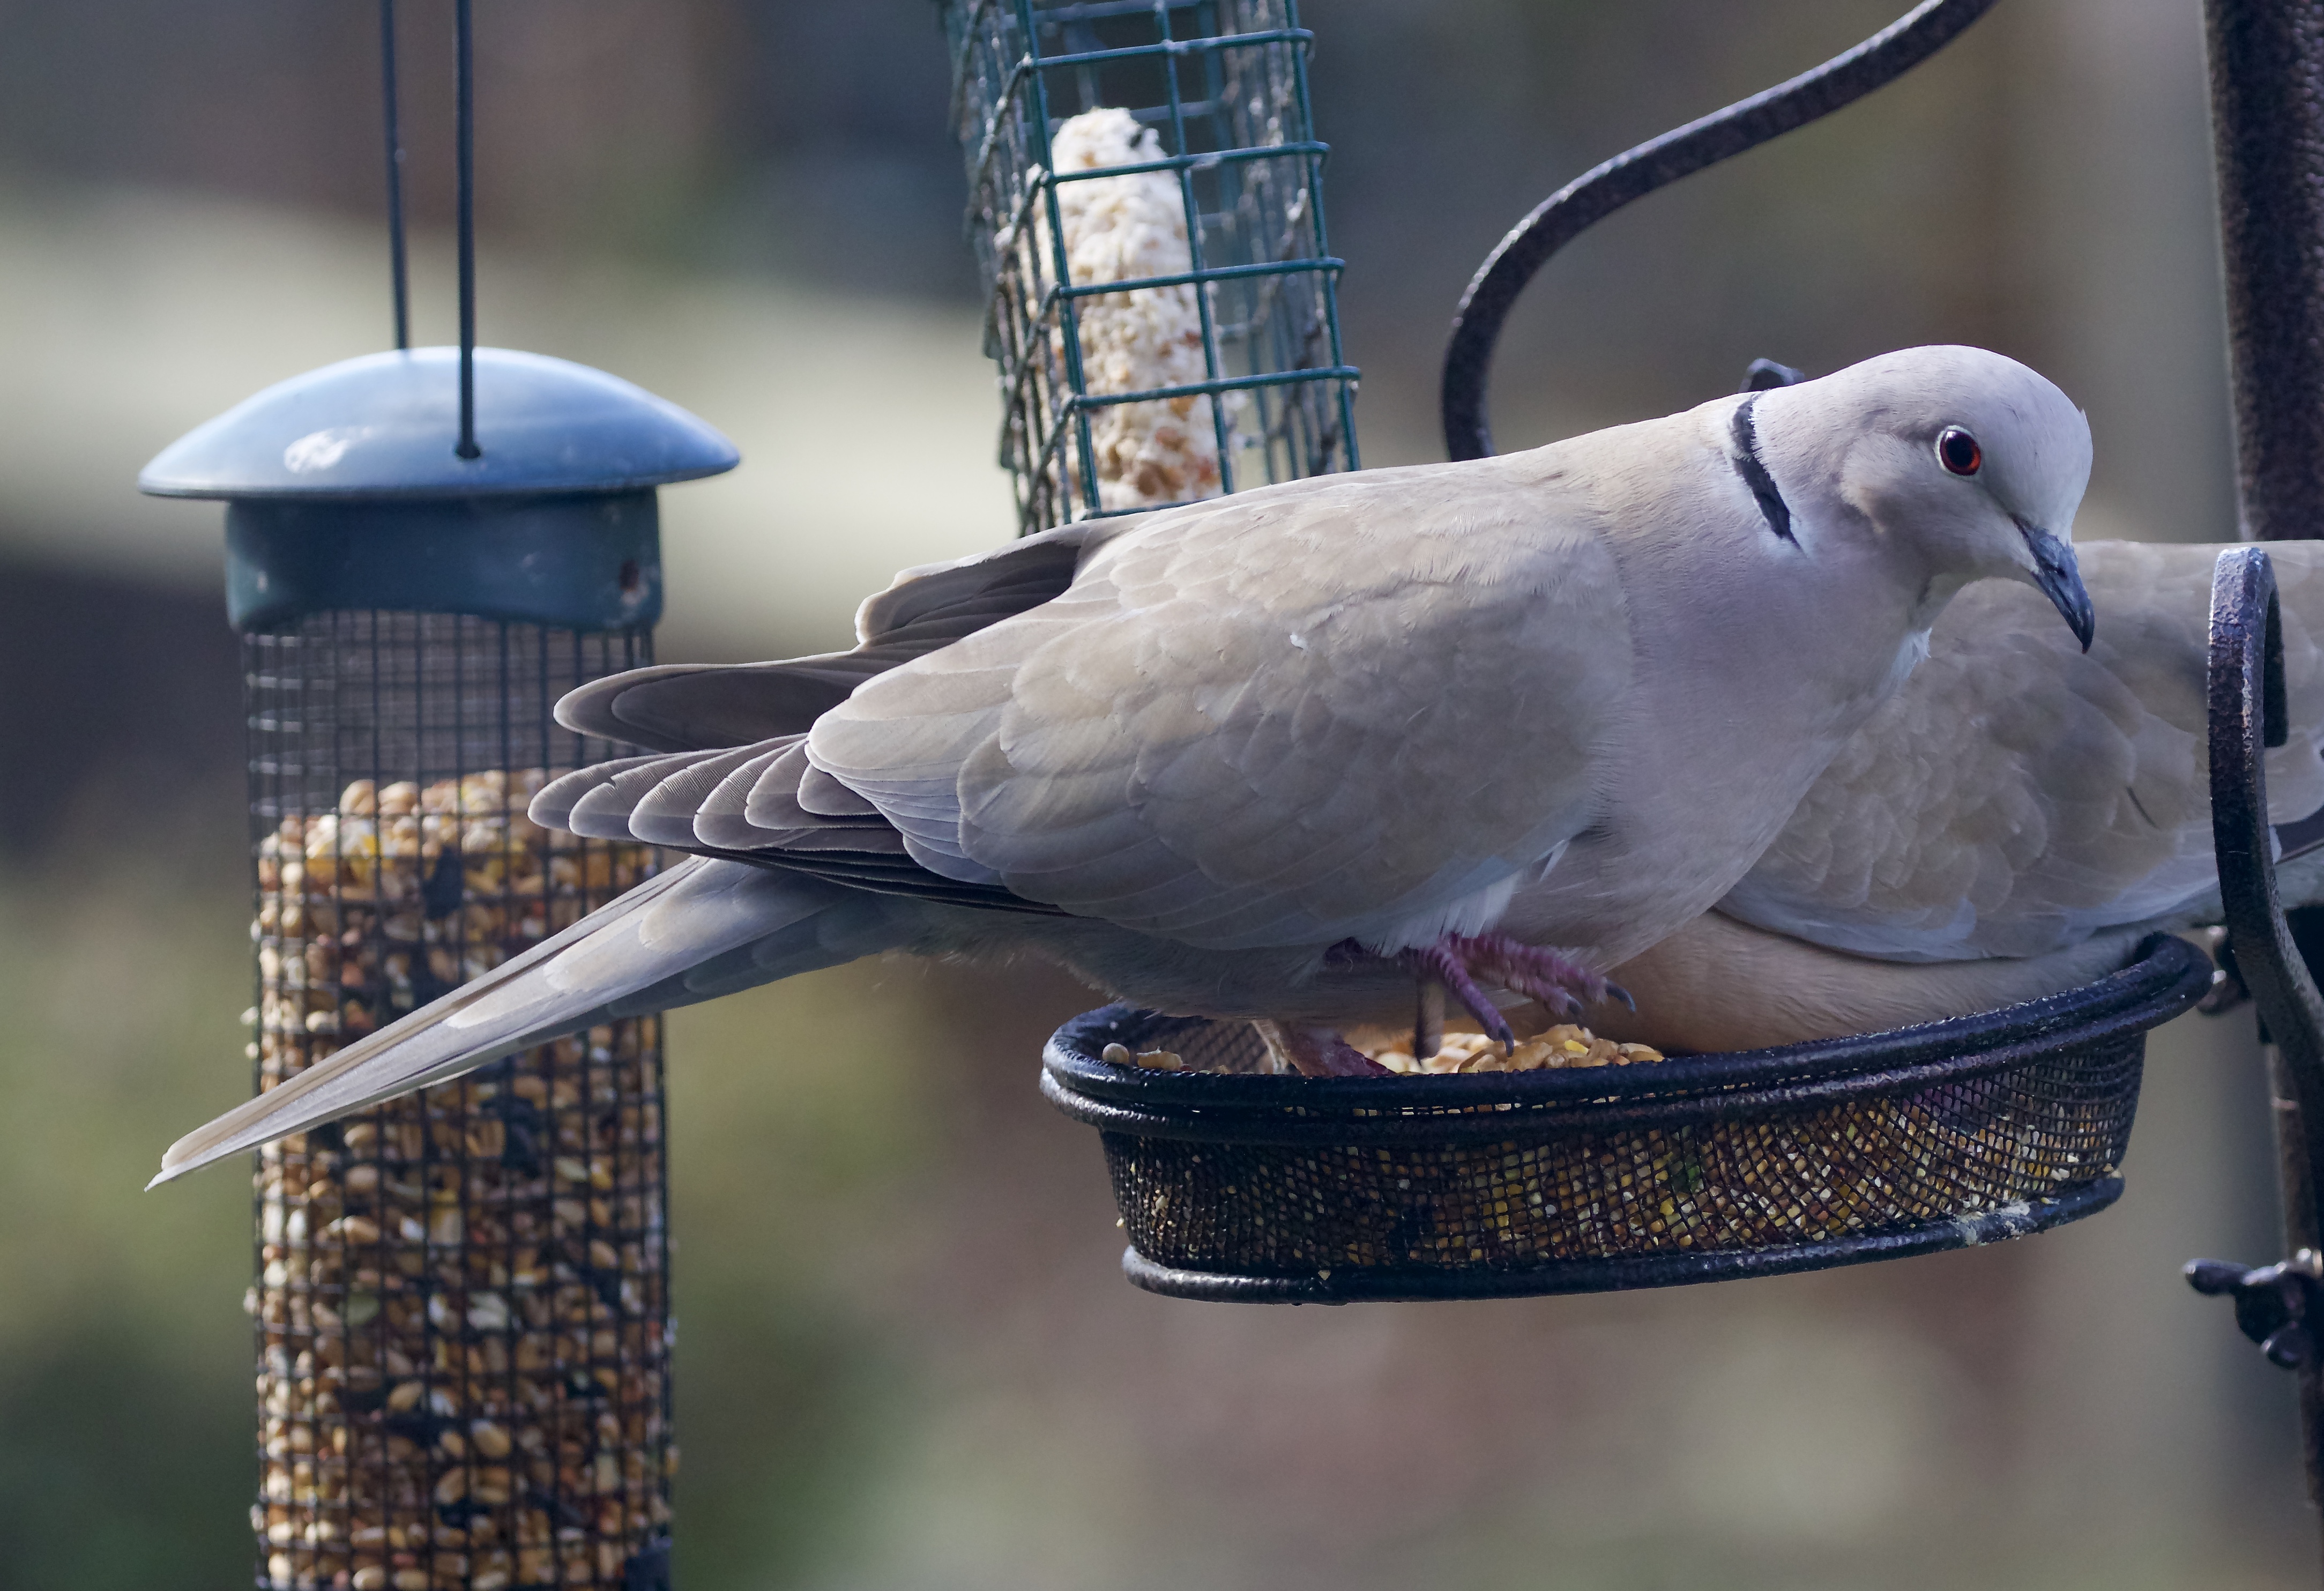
(1958, 450)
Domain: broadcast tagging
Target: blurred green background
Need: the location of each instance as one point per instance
(907, 1357)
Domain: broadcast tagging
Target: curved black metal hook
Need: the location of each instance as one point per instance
(1599, 193)
(2278, 1306)
(2247, 714)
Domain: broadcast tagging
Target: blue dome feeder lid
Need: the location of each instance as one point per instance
(344, 490)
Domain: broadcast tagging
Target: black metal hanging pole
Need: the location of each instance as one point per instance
(468, 164)
(2266, 63)
(394, 175)
(2267, 120)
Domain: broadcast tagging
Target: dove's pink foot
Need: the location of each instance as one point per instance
(1319, 1052)
(1459, 961)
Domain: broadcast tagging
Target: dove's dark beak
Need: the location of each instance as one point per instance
(2060, 579)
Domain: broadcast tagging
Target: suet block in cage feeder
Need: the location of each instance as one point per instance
(461, 1298)
(1146, 204)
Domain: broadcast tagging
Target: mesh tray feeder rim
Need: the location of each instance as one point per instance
(1138, 1110)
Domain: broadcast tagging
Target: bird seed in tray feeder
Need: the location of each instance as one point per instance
(1236, 1185)
(1564, 1045)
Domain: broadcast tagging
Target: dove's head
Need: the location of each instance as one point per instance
(1962, 464)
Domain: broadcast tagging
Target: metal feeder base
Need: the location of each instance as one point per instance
(1239, 1186)
(1389, 1285)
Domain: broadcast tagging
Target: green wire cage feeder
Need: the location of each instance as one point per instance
(1146, 205)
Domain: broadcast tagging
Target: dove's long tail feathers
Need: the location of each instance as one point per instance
(701, 930)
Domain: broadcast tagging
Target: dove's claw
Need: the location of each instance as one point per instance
(1441, 961)
(1617, 992)
(1559, 982)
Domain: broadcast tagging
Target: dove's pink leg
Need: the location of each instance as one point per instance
(1459, 961)
(1321, 1052)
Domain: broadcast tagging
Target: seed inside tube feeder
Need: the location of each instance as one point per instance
(431, 1295)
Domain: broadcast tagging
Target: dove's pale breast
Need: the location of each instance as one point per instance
(1757, 655)
(2017, 797)
(1304, 713)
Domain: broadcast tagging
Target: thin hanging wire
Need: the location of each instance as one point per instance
(394, 175)
(468, 159)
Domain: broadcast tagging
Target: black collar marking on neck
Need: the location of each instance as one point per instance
(1754, 474)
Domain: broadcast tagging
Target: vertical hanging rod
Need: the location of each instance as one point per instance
(463, 13)
(401, 286)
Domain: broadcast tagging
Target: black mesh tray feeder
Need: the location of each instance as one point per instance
(1237, 1186)
(461, 1304)
(1697, 1168)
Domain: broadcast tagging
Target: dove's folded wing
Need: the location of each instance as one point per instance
(1344, 709)
(2016, 796)
(701, 707)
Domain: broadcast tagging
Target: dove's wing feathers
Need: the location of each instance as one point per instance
(2016, 796)
(668, 814)
(703, 707)
(967, 593)
(698, 707)
(701, 930)
(1344, 707)
(765, 804)
(553, 805)
(603, 802)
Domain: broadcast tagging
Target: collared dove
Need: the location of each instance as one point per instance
(1500, 725)
(2009, 824)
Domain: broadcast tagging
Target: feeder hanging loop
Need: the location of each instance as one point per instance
(2247, 715)
(1599, 193)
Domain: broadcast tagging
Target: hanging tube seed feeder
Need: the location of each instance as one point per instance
(461, 1302)
(1236, 1185)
